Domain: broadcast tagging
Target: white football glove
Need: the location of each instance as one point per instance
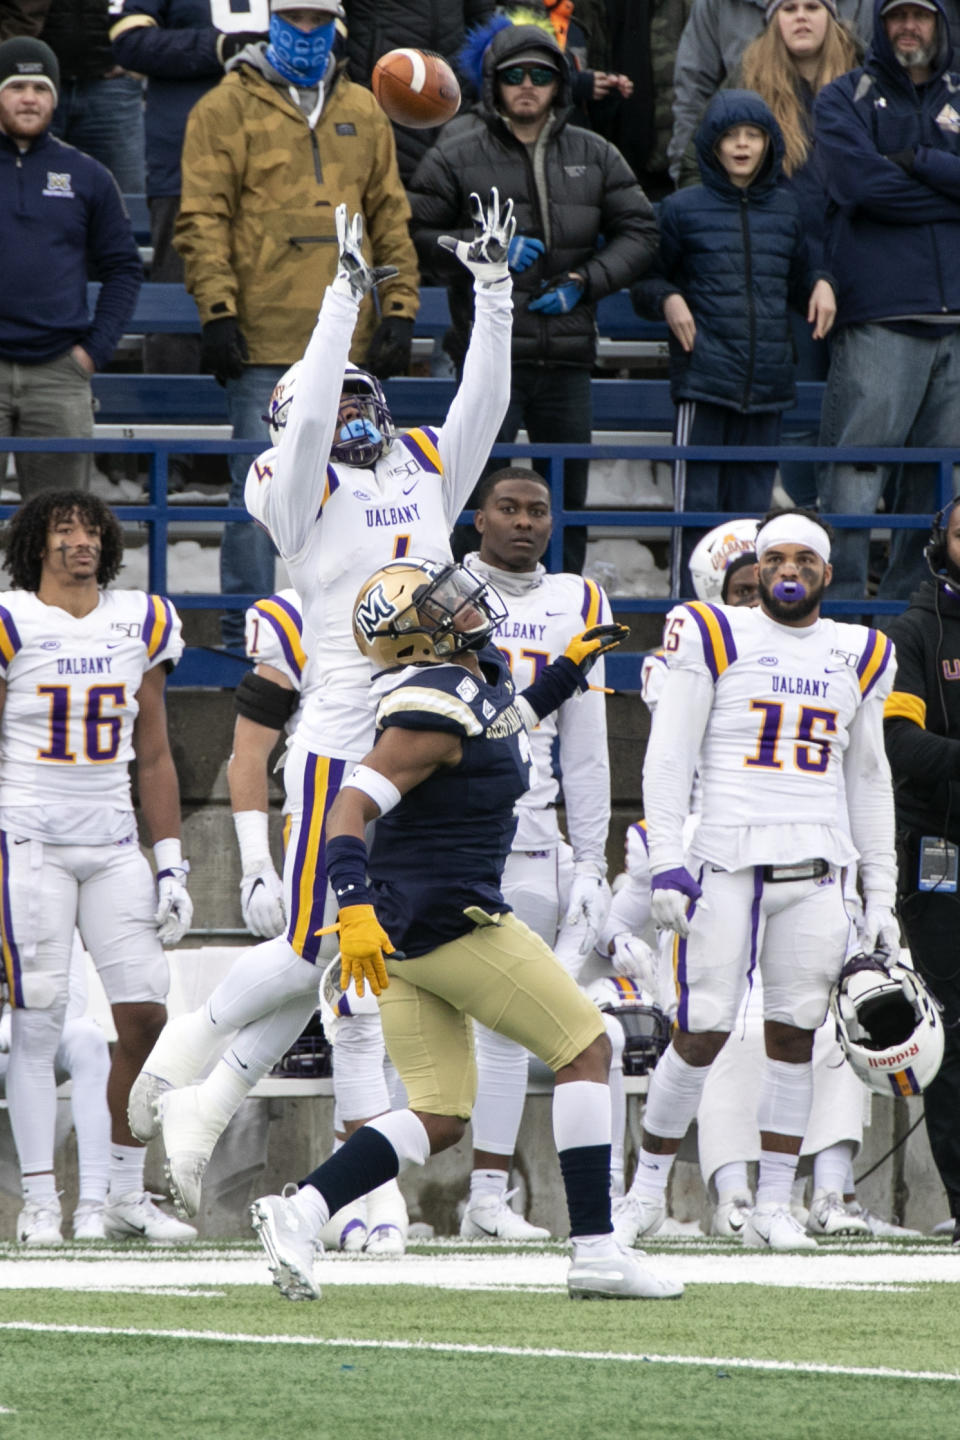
(586, 911)
(880, 929)
(355, 278)
(261, 901)
(634, 959)
(671, 892)
(175, 910)
(485, 256)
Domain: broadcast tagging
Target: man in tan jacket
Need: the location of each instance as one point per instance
(268, 155)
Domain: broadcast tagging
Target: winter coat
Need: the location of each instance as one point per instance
(893, 226)
(59, 208)
(257, 234)
(921, 718)
(376, 26)
(711, 46)
(78, 33)
(738, 257)
(569, 190)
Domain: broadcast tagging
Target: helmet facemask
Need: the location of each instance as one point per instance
(419, 611)
(364, 429)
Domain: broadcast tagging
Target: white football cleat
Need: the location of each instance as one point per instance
(88, 1222)
(489, 1217)
(830, 1216)
(637, 1215)
(387, 1222)
(346, 1229)
(189, 1138)
(730, 1216)
(385, 1241)
(883, 1229)
(143, 1113)
(137, 1217)
(39, 1223)
(774, 1227)
(291, 1249)
(617, 1277)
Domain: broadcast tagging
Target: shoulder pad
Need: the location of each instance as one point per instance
(436, 697)
(698, 633)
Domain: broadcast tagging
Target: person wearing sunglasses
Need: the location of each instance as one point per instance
(569, 186)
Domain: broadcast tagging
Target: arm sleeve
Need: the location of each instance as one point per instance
(117, 264)
(142, 42)
(585, 768)
(671, 760)
(213, 163)
(869, 791)
(914, 752)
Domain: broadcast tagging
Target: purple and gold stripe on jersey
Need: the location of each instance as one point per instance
(422, 444)
(8, 945)
(158, 624)
(322, 779)
(333, 483)
(10, 641)
(719, 649)
(591, 610)
(873, 661)
(639, 828)
(287, 623)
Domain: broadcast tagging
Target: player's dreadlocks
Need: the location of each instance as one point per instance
(26, 535)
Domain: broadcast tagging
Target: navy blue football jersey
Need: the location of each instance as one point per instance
(443, 847)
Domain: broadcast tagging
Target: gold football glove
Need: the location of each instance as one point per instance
(363, 945)
(587, 647)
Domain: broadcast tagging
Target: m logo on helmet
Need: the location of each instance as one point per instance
(372, 612)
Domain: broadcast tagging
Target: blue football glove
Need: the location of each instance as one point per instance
(524, 249)
(559, 298)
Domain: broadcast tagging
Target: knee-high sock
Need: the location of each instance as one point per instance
(373, 1155)
(581, 1130)
(32, 1085)
(84, 1054)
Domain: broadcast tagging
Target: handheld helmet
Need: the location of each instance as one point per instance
(888, 1024)
(364, 425)
(646, 1028)
(310, 1055)
(337, 1005)
(712, 557)
(423, 611)
(278, 410)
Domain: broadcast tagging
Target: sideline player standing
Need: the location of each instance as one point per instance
(780, 712)
(339, 496)
(83, 671)
(450, 760)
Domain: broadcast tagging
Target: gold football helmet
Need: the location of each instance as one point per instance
(414, 612)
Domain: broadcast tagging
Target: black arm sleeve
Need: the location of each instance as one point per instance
(264, 701)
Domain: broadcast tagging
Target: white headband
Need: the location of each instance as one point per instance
(794, 530)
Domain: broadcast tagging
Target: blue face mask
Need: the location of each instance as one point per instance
(297, 56)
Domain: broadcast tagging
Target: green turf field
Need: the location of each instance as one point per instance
(110, 1342)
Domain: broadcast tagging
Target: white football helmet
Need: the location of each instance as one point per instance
(278, 411)
(646, 1029)
(714, 553)
(364, 424)
(337, 1005)
(888, 1024)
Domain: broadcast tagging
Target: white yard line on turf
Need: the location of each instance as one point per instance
(877, 1372)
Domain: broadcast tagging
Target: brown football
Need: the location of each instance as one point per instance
(416, 88)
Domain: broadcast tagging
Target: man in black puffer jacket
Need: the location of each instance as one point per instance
(570, 187)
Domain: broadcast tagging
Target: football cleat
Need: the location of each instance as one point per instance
(136, 1217)
(636, 1215)
(730, 1216)
(489, 1217)
(189, 1138)
(346, 1229)
(88, 1222)
(385, 1241)
(142, 1112)
(617, 1277)
(883, 1229)
(39, 1223)
(829, 1216)
(291, 1249)
(773, 1227)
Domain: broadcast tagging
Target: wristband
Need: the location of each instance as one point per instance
(346, 858)
(381, 791)
(253, 838)
(169, 856)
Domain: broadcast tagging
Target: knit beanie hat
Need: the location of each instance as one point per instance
(24, 58)
(774, 6)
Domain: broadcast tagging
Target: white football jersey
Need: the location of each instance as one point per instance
(336, 524)
(569, 746)
(274, 636)
(771, 759)
(66, 734)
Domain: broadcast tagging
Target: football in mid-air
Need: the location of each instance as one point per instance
(416, 88)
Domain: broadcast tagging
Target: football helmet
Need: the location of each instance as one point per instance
(646, 1029)
(888, 1024)
(278, 411)
(310, 1055)
(364, 424)
(423, 611)
(714, 553)
(337, 1005)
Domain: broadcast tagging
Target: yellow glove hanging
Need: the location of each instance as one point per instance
(363, 945)
(587, 647)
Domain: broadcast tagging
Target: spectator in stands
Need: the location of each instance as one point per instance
(181, 50)
(21, 17)
(258, 239)
(376, 26)
(58, 207)
(732, 258)
(569, 187)
(100, 106)
(712, 43)
(888, 143)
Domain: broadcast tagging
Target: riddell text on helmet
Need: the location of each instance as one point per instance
(890, 1062)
